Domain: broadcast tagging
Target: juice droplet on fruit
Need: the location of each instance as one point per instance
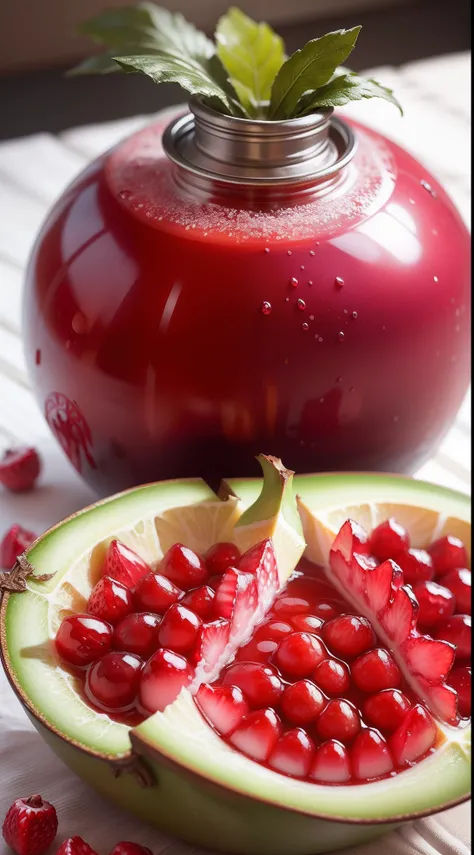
(79, 323)
(355, 315)
(301, 305)
(265, 307)
(312, 252)
(435, 279)
(428, 188)
(267, 249)
(124, 194)
(305, 326)
(339, 281)
(293, 281)
(352, 389)
(310, 282)
(289, 252)
(38, 357)
(341, 336)
(311, 317)
(339, 379)
(287, 299)
(302, 267)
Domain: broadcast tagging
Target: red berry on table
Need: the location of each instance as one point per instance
(81, 639)
(417, 566)
(220, 557)
(436, 604)
(448, 553)
(75, 846)
(388, 540)
(184, 567)
(127, 848)
(19, 469)
(459, 582)
(13, 543)
(30, 826)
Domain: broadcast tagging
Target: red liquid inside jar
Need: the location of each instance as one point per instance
(185, 325)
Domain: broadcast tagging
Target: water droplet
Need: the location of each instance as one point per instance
(435, 279)
(312, 252)
(339, 379)
(267, 249)
(124, 194)
(302, 267)
(311, 317)
(289, 252)
(293, 281)
(38, 357)
(341, 336)
(352, 389)
(79, 323)
(345, 311)
(428, 188)
(411, 201)
(265, 307)
(320, 338)
(339, 281)
(287, 299)
(310, 282)
(305, 326)
(301, 305)
(355, 315)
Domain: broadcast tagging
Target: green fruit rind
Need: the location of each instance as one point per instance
(181, 734)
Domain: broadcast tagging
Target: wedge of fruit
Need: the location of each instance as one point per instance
(262, 710)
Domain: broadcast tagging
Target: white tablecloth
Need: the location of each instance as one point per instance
(33, 171)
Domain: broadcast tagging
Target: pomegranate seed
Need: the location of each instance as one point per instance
(436, 604)
(75, 846)
(81, 639)
(387, 709)
(307, 623)
(162, 679)
(30, 826)
(302, 702)
(127, 848)
(179, 629)
(458, 581)
(256, 651)
(214, 582)
(375, 670)
(220, 557)
(448, 553)
(370, 756)
(112, 682)
(223, 706)
(388, 540)
(124, 565)
(293, 753)
(299, 653)
(326, 611)
(260, 561)
(288, 606)
(417, 566)
(138, 633)
(183, 567)
(460, 680)
(19, 469)
(331, 763)
(415, 736)
(109, 600)
(273, 630)
(339, 720)
(457, 630)
(200, 601)
(13, 543)
(257, 734)
(332, 677)
(260, 684)
(155, 593)
(348, 635)
(236, 600)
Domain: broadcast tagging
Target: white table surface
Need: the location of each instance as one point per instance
(33, 172)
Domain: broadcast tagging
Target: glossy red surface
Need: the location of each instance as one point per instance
(158, 357)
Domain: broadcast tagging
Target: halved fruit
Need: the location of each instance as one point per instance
(285, 767)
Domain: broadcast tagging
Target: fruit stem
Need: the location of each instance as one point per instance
(35, 801)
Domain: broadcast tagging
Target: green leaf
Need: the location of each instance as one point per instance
(252, 54)
(191, 76)
(308, 69)
(344, 87)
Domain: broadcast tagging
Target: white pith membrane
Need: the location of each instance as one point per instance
(181, 732)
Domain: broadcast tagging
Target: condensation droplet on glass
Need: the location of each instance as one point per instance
(312, 252)
(341, 336)
(428, 188)
(301, 305)
(435, 279)
(305, 326)
(265, 307)
(339, 281)
(293, 281)
(79, 323)
(38, 357)
(355, 315)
